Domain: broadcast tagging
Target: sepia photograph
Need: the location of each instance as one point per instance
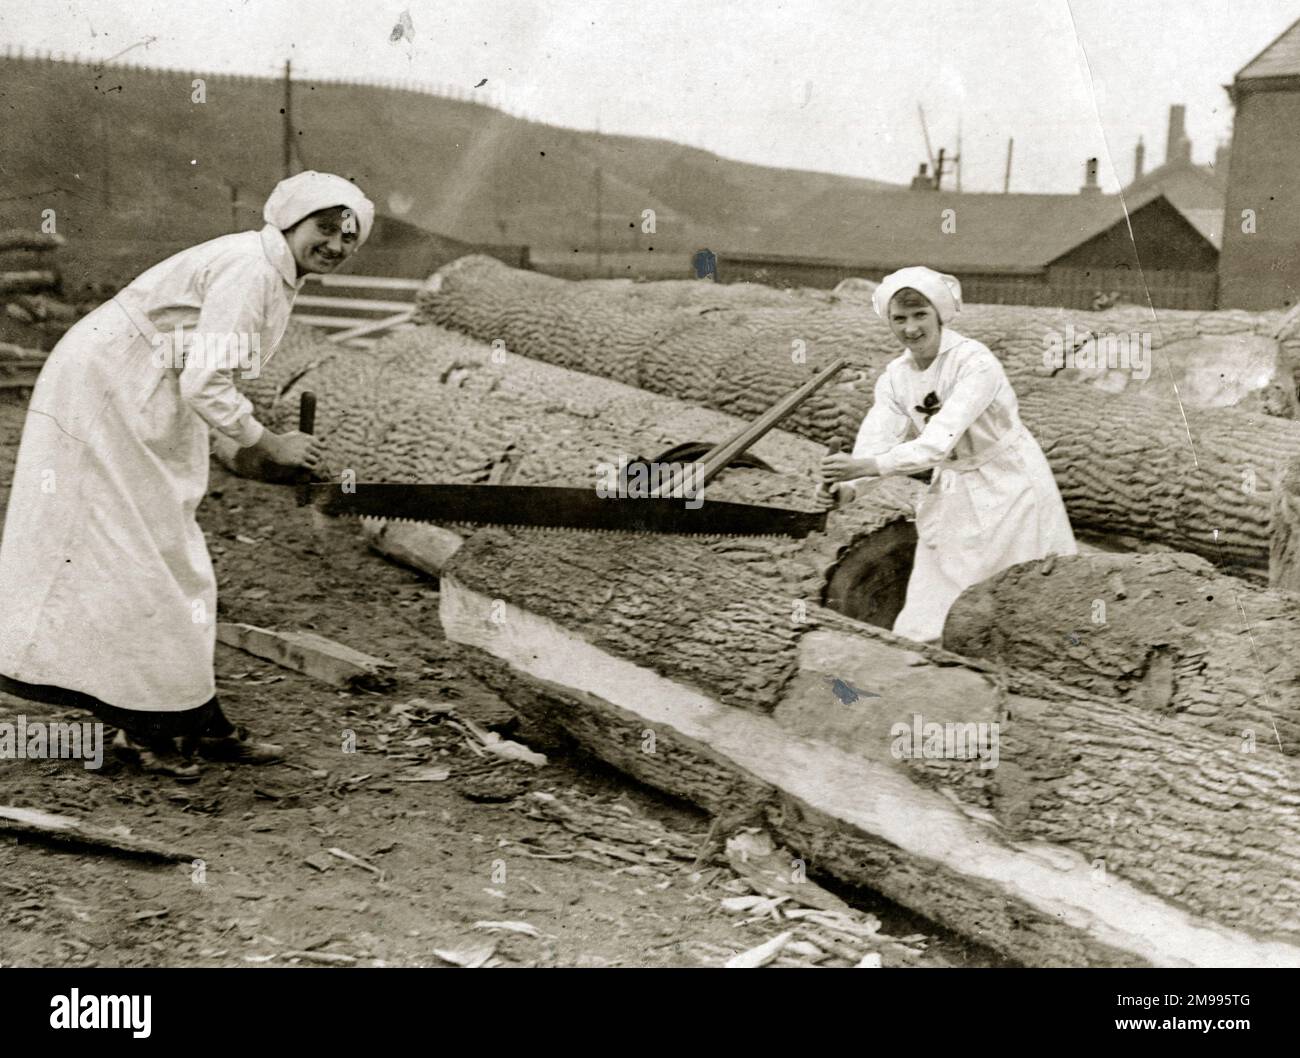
(596, 485)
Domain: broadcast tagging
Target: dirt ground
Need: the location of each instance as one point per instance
(582, 866)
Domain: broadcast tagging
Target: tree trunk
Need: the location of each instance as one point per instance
(686, 335)
(1105, 834)
(29, 282)
(17, 239)
(1164, 633)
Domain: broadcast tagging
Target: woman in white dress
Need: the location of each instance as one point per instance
(946, 405)
(107, 595)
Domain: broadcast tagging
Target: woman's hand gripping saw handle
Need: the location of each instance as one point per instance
(830, 496)
(306, 424)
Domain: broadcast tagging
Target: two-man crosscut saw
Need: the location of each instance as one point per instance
(581, 508)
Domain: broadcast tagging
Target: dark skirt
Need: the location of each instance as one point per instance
(149, 728)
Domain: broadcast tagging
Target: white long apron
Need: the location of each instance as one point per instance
(992, 500)
(106, 586)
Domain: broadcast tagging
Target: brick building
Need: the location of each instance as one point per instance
(1260, 264)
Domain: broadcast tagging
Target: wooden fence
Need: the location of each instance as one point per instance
(357, 310)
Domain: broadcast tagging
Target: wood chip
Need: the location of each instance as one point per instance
(510, 927)
(762, 954)
(423, 775)
(470, 958)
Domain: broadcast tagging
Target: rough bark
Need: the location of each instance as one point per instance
(687, 336)
(1106, 834)
(1284, 554)
(1134, 468)
(1165, 633)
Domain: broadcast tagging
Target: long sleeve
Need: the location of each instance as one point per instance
(884, 426)
(974, 388)
(234, 309)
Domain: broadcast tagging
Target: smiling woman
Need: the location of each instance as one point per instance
(109, 597)
(947, 407)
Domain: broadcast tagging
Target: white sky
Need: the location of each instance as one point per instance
(815, 84)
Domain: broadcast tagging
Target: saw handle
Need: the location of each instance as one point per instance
(306, 424)
(833, 448)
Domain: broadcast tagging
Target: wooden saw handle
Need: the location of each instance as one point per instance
(306, 424)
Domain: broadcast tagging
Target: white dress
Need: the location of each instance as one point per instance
(106, 586)
(992, 500)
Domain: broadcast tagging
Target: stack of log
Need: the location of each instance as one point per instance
(1161, 472)
(35, 312)
(1134, 804)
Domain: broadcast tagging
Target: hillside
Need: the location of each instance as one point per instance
(125, 155)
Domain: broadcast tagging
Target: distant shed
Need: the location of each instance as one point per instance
(1009, 249)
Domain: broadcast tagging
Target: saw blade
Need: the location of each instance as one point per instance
(560, 509)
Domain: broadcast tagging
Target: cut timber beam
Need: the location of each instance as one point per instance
(1105, 835)
(66, 830)
(313, 655)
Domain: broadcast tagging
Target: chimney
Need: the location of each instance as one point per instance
(1090, 186)
(1178, 148)
(1222, 158)
(1139, 160)
(922, 182)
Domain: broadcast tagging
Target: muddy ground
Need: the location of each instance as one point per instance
(585, 866)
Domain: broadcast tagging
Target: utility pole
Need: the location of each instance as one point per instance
(1006, 180)
(598, 215)
(938, 171)
(958, 158)
(288, 121)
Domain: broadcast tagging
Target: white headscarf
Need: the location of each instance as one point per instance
(943, 290)
(304, 193)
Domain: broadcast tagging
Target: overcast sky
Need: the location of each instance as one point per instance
(816, 84)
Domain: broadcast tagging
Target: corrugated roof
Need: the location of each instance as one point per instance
(1279, 59)
(993, 233)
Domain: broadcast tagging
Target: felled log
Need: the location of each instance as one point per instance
(1165, 633)
(431, 406)
(17, 239)
(1199, 481)
(688, 336)
(1106, 834)
(29, 282)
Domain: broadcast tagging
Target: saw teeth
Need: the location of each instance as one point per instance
(473, 527)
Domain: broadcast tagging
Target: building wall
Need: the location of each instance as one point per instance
(1163, 238)
(1073, 286)
(1261, 271)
